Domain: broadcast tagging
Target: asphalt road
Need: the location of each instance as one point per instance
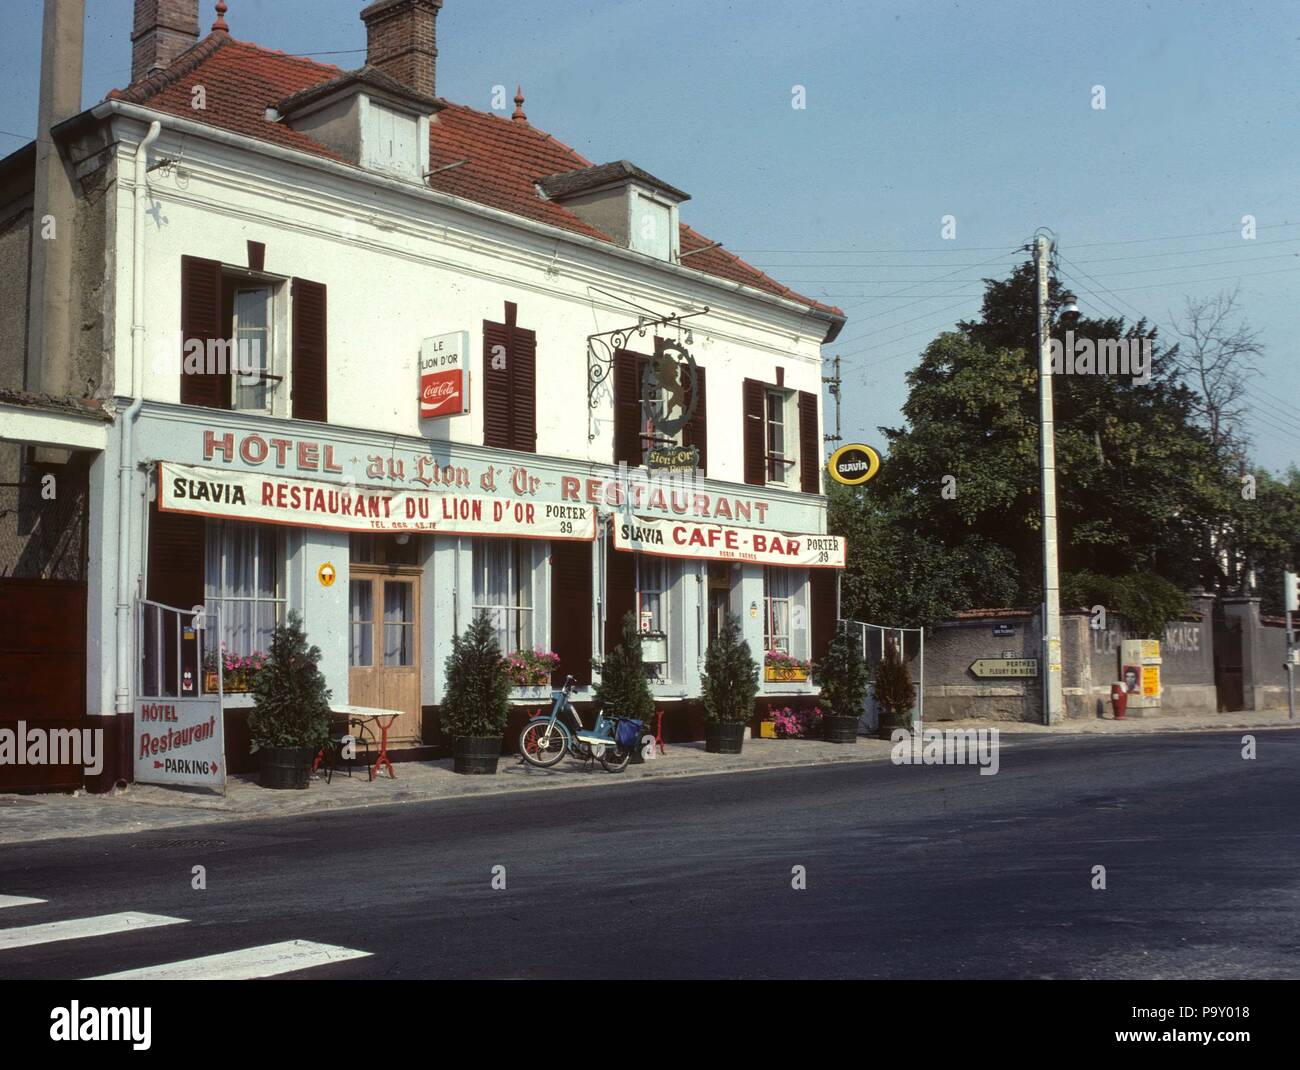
(911, 872)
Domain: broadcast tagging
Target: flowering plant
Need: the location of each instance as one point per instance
(779, 659)
(797, 724)
(240, 670)
(532, 668)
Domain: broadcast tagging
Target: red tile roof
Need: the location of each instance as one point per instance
(503, 158)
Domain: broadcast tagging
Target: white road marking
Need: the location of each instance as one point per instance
(80, 928)
(267, 960)
(17, 901)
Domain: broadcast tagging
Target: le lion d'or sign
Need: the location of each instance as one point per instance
(853, 464)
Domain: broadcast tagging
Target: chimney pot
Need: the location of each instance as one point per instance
(401, 41)
(162, 30)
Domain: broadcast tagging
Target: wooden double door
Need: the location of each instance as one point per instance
(384, 645)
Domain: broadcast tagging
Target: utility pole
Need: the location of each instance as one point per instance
(834, 391)
(1292, 582)
(1051, 650)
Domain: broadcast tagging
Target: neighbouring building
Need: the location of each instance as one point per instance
(319, 340)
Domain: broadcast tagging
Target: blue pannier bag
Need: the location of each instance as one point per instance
(628, 733)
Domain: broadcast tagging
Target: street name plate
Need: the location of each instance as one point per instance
(1005, 667)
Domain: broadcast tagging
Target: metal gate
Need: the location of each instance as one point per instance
(911, 645)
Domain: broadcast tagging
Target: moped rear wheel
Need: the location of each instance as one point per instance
(542, 744)
(615, 757)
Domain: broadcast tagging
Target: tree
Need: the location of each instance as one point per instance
(1217, 357)
(843, 675)
(624, 689)
(956, 507)
(477, 699)
(291, 702)
(730, 679)
(895, 692)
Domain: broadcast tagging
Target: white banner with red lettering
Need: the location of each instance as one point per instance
(310, 503)
(721, 542)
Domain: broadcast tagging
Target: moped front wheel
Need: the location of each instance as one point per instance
(542, 743)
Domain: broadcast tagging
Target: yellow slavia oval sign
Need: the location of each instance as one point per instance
(853, 464)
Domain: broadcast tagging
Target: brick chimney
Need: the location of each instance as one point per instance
(163, 29)
(401, 40)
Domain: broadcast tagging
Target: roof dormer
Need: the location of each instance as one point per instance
(369, 119)
(633, 207)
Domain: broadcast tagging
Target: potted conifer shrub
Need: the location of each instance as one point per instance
(843, 676)
(477, 700)
(291, 716)
(894, 692)
(624, 689)
(730, 683)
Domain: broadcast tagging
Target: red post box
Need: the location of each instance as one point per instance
(1119, 699)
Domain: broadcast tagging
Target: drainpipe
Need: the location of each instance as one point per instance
(126, 464)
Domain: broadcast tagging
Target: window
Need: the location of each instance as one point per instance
(361, 614)
(650, 590)
(778, 603)
(251, 333)
(503, 587)
(243, 563)
(399, 622)
(719, 597)
(655, 408)
(777, 459)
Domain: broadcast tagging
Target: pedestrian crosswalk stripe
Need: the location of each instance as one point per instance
(252, 962)
(17, 901)
(80, 928)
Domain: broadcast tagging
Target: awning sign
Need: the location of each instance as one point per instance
(720, 542)
(310, 503)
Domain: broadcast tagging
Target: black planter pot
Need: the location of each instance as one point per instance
(889, 724)
(840, 729)
(286, 767)
(476, 755)
(724, 738)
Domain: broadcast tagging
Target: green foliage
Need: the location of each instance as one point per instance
(1145, 601)
(895, 693)
(843, 675)
(477, 699)
(624, 690)
(291, 700)
(730, 679)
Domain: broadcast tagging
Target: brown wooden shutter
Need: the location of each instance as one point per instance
(571, 610)
(696, 432)
(810, 454)
(523, 390)
(310, 351)
(628, 369)
(496, 387)
(620, 592)
(176, 546)
(201, 321)
(824, 612)
(755, 433)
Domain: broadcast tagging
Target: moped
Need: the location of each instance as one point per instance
(546, 739)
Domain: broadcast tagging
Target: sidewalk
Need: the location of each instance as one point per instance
(146, 807)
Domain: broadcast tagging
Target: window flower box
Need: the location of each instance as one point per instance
(780, 668)
(240, 671)
(532, 668)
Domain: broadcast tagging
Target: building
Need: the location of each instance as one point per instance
(323, 341)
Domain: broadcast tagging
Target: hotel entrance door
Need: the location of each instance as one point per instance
(384, 640)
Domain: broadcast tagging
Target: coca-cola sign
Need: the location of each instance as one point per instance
(444, 375)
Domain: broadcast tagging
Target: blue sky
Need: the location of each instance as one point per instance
(915, 110)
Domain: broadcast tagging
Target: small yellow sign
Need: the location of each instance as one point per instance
(327, 574)
(853, 464)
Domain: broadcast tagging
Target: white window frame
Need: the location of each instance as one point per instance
(216, 538)
(770, 636)
(521, 633)
(267, 369)
(777, 473)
